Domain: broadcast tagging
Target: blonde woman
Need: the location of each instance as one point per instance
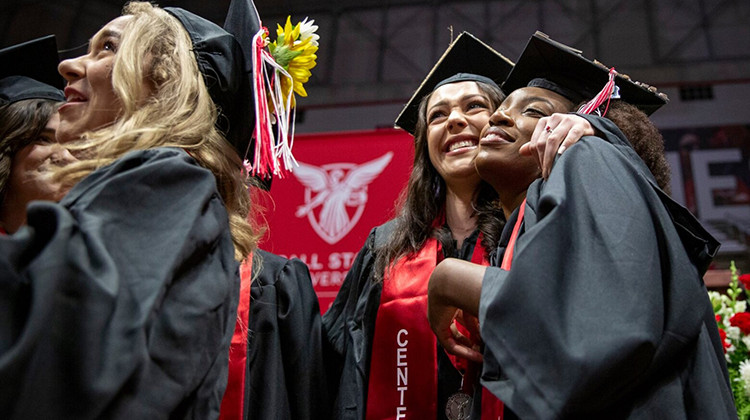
(119, 302)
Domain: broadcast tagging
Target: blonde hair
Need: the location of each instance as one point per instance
(165, 103)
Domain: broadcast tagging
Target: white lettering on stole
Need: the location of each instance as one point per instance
(402, 371)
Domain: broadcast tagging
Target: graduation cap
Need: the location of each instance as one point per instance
(466, 59)
(562, 69)
(29, 71)
(224, 56)
(225, 61)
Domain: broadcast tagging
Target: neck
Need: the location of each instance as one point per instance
(459, 214)
(511, 201)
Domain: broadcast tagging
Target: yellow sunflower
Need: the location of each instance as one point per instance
(294, 50)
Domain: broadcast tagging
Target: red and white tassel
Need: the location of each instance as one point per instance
(605, 95)
(273, 151)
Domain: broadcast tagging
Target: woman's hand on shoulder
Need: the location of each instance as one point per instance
(552, 136)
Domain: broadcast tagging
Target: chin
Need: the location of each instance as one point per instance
(484, 163)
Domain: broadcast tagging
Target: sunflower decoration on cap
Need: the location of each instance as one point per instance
(294, 49)
(281, 69)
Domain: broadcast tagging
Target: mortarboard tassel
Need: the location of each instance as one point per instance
(609, 91)
(271, 151)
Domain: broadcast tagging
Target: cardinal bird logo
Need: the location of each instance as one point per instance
(336, 194)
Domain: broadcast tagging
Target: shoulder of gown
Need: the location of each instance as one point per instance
(119, 301)
(600, 275)
(286, 366)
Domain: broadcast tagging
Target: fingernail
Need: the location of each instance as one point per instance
(561, 150)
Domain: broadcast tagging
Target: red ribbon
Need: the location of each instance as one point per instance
(508, 255)
(403, 368)
(604, 95)
(232, 405)
(263, 155)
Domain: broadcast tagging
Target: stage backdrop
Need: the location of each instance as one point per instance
(346, 184)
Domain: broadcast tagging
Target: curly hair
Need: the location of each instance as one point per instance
(422, 202)
(646, 139)
(176, 112)
(21, 123)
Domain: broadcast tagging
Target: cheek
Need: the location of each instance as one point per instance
(101, 79)
(526, 127)
(433, 143)
(37, 156)
(478, 121)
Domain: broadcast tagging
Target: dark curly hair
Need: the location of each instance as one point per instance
(423, 201)
(645, 138)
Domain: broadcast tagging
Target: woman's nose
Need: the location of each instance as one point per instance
(72, 68)
(61, 156)
(500, 117)
(456, 118)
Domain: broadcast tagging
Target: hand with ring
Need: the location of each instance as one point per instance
(552, 136)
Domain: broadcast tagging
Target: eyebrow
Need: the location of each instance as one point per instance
(462, 99)
(538, 99)
(106, 34)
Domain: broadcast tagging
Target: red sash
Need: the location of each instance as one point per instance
(508, 255)
(233, 403)
(403, 369)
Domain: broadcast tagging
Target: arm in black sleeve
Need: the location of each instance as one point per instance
(595, 301)
(121, 299)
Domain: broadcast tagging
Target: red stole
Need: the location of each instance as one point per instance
(233, 403)
(403, 367)
(508, 255)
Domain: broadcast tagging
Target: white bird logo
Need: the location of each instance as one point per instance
(336, 190)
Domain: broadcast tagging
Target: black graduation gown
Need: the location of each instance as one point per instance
(350, 327)
(604, 313)
(286, 376)
(119, 302)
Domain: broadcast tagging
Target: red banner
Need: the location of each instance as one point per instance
(346, 184)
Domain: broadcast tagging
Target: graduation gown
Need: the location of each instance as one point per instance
(604, 313)
(286, 376)
(350, 328)
(119, 302)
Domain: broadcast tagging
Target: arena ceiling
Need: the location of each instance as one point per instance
(377, 51)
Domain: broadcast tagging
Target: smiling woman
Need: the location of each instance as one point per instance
(378, 317)
(120, 301)
(28, 149)
(28, 120)
(446, 211)
(510, 127)
(456, 114)
(91, 102)
(595, 306)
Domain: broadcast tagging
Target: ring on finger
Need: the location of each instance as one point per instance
(548, 129)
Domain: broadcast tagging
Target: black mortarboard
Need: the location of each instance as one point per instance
(557, 67)
(466, 59)
(224, 58)
(29, 71)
